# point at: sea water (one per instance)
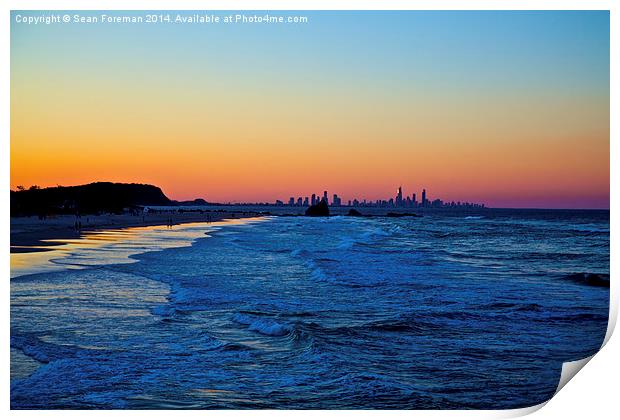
(443, 311)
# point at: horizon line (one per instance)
(344, 204)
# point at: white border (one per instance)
(309, 5)
(593, 394)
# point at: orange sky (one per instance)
(216, 129)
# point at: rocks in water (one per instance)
(600, 280)
(597, 280)
(318, 210)
(355, 213)
(402, 215)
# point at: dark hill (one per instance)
(196, 202)
(86, 199)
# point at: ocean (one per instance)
(444, 311)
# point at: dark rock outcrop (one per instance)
(318, 210)
(390, 214)
(599, 280)
(355, 213)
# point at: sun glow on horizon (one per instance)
(510, 109)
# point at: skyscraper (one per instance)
(325, 197)
(313, 201)
(423, 198)
(399, 197)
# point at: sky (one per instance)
(510, 109)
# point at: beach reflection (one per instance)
(113, 246)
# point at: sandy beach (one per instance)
(30, 234)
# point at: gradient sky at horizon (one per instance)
(506, 108)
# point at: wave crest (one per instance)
(262, 325)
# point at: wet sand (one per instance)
(29, 234)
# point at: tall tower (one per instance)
(325, 197)
(399, 197)
(423, 198)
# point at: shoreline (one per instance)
(30, 234)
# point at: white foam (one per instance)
(261, 325)
(114, 246)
